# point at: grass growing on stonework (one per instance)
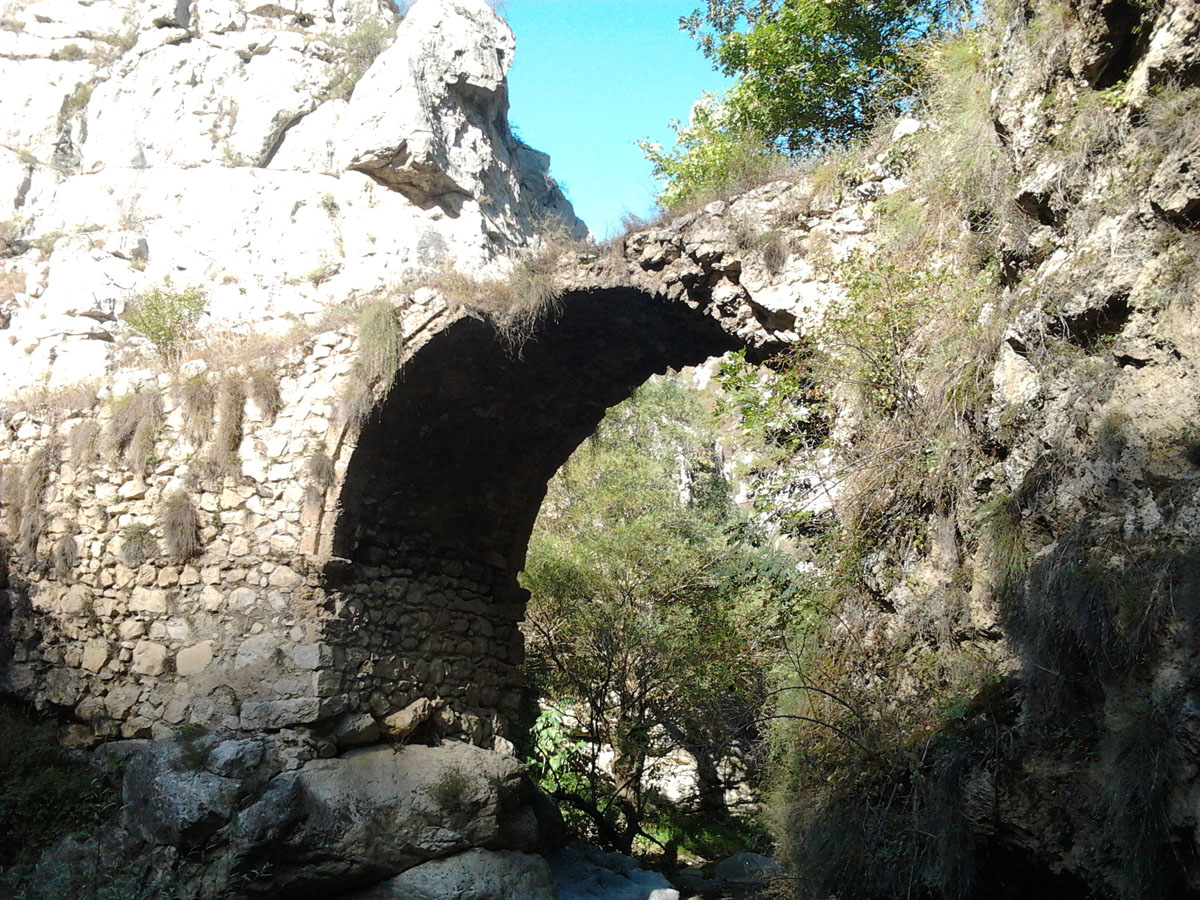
(46, 792)
(137, 544)
(227, 436)
(133, 428)
(380, 351)
(180, 526)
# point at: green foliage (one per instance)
(711, 157)
(166, 317)
(45, 791)
(654, 610)
(137, 544)
(814, 73)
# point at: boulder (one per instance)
(168, 800)
(473, 875)
(377, 812)
(582, 872)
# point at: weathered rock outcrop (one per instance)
(286, 157)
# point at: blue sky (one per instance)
(591, 77)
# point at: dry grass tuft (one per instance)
(24, 493)
(514, 304)
(198, 399)
(180, 526)
(263, 387)
(133, 428)
(380, 351)
(319, 470)
(230, 413)
(64, 557)
(82, 444)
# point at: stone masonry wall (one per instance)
(359, 579)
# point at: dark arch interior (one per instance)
(458, 456)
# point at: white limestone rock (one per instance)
(582, 872)
(207, 144)
(474, 875)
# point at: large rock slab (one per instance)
(582, 872)
(474, 875)
(168, 799)
(376, 812)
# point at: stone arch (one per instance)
(446, 479)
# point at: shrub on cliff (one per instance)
(166, 317)
(810, 75)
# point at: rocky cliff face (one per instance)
(286, 157)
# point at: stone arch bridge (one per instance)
(380, 595)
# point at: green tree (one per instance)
(811, 73)
(654, 614)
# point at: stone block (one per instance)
(76, 600)
(283, 577)
(131, 629)
(311, 656)
(148, 600)
(401, 725)
(149, 658)
(95, 655)
(356, 730)
(276, 714)
(121, 699)
(195, 659)
(256, 650)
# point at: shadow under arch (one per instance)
(442, 490)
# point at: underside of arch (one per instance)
(459, 454)
(443, 487)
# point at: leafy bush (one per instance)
(137, 544)
(654, 611)
(815, 73)
(711, 158)
(166, 317)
